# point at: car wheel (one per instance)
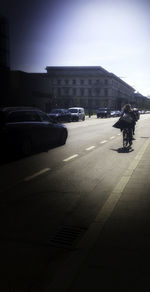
(26, 147)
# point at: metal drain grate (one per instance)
(66, 236)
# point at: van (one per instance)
(77, 113)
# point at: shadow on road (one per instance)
(123, 150)
(7, 157)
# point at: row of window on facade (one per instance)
(115, 85)
(79, 81)
(80, 91)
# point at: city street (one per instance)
(49, 201)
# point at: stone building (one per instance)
(140, 100)
(90, 87)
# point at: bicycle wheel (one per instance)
(125, 138)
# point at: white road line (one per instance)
(112, 137)
(71, 157)
(119, 134)
(76, 261)
(90, 148)
(102, 142)
(36, 174)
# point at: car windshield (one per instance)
(22, 116)
(56, 111)
(73, 110)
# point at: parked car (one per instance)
(115, 113)
(60, 115)
(77, 113)
(103, 113)
(24, 130)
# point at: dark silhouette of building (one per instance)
(4, 61)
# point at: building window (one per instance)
(59, 91)
(74, 81)
(81, 81)
(97, 91)
(66, 81)
(106, 81)
(89, 91)
(66, 91)
(82, 91)
(74, 91)
(58, 81)
(90, 81)
(106, 92)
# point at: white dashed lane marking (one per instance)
(102, 142)
(36, 174)
(112, 137)
(90, 148)
(71, 157)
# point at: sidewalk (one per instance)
(116, 256)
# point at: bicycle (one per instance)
(127, 137)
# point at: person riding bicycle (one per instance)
(136, 118)
(128, 121)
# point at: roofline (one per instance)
(125, 83)
(76, 67)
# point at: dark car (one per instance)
(24, 130)
(60, 115)
(103, 113)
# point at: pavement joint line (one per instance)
(72, 266)
(28, 178)
(90, 148)
(70, 157)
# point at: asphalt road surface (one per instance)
(49, 200)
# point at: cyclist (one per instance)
(136, 118)
(128, 118)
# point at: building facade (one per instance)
(140, 100)
(90, 87)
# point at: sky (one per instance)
(113, 34)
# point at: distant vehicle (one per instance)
(115, 113)
(25, 130)
(103, 113)
(142, 112)
(77, 113)
(60, 115)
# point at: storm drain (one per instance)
(67, 236)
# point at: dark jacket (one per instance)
(127, 120)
